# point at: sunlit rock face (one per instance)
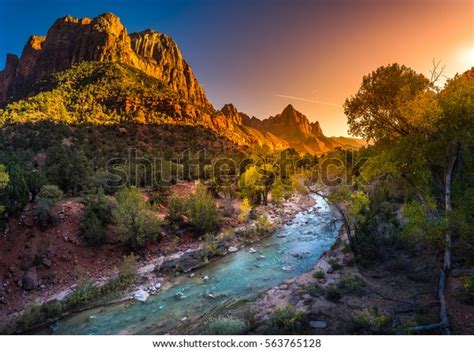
(72, 40)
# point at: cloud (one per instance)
(308, 100)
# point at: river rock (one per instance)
(30, 280)
(318, 324)
(252, 250)
(232, 249)
(141, 295)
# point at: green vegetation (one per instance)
(135, 221)
(351, 284)
(227, 326)
(202, 211)
(176, 211)
(287, 320)
(97, 215)
(319, 274)
(371, 321)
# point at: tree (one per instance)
(202, 211)
(376, 110)
(35, 180)
(16, 191)
(256, 182)
(176, 210)
(136, 223)
(4, 179)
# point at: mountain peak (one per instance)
(289, 109)
(73, 40)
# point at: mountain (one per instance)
(103, 39)
(294, 128)
(91, 71)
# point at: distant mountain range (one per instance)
(93, 71)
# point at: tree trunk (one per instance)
(444, 272)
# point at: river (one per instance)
(291, 251)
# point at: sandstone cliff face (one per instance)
(290, 125)
(71, 40)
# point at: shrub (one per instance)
(263, 226)
(287, 320)
(468, 287)
(245, 209)
(333, 293)
(136, 223)
(97, 215)
(315, 290)
(44, 214)
(370, 321)
(227, 326)
(16, 191)
(35, 180)
(202, 211)
(334, 264)
(93, 230)
(319, 274)
(351, 283)
(176, 211)
(51, 193)
(128, 270)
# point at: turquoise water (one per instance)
(291, 251)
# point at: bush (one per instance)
(333, 293)
(319, 274)
(334, 264)
(51, 193)
(128, 270)
(136, 223)
(245, 209)
(93, 230)
(351, 283)
(468, 288)
(176, 211)
(227, 326)
(44, 214)
(287, 320)
(16, 191)
(263, 226)
(202, 211)
(370, 321)
(97, 215)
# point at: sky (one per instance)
(262, 55)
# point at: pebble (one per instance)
(318, 324)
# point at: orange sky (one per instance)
(322, 54)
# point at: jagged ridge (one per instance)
(71, 40)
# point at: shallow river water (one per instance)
(291, 251)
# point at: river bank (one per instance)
(152, 275)
(217, 286)
(337, 296)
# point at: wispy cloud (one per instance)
(308, 100)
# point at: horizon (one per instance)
(291, 69)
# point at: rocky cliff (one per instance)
(71, 40)
(290, 128)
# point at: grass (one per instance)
(319, 274)
(287, 321)
(351, 284)
(334, 264)
(227, 326)
(371, 321)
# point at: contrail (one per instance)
(309, 100)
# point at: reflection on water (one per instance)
(293, 250)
